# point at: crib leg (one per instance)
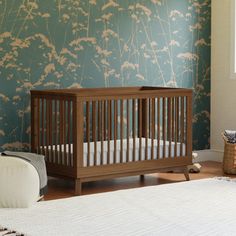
(142, 177)
(78, 187)
(186, 173)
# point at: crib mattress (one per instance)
(103, 158)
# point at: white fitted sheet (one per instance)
(104, 160)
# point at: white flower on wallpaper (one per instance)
(4, 98)
(110, 3)
(107, 17)
(201, 42)
(2, 133)
(175, 13)
(93, 2)
(174, 43)
(70, 43)
(188, 56)
(75, 85)
(78, 41)
(145, 9)
(140, 77)
(156, 2)
(16, 145)
(196, 26)
(127, 65)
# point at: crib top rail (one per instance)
(113, 92)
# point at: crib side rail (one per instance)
(137, 127)
(52, 131)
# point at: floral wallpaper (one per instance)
(97, 43)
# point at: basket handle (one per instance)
(224, 138)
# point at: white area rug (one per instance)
(201, 207)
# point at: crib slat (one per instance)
(146, 125)
(115, 130)
(94, 115)
(127, 117)
(105, 120)
(62, 123)
(169, 124)
(109, 130)
(43, 129)
(134, 128)
(140, 129)
(38, 126)
(34, 124)
(158, 128)
(153, 135)
(176, 124)
(105, 128)
(175, 131)
(182, 126)
(121, 129)
(88, 131)
(173, 120)
(78, 135)
(60, 132)
(72, 136)
(69, 133)
(50, 131)
(47, 129)
(64, 132)
(99, 120)
(102, 131)
(150, 117)
(178, 118)
(55, 132)
(164, 126)
(188, 114)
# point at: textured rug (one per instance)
(201, 207)
(8, 232)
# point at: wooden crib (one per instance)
(98, 133)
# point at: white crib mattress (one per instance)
(103, 159)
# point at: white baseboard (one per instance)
(209, 155)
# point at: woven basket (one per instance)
(229, 161)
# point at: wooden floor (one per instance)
(59, 188)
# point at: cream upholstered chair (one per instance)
(19, 183)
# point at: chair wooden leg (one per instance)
(186, 173)
(78, 187)
(41, 198)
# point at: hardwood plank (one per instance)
(59, 188)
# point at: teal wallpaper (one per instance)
(97, 43)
